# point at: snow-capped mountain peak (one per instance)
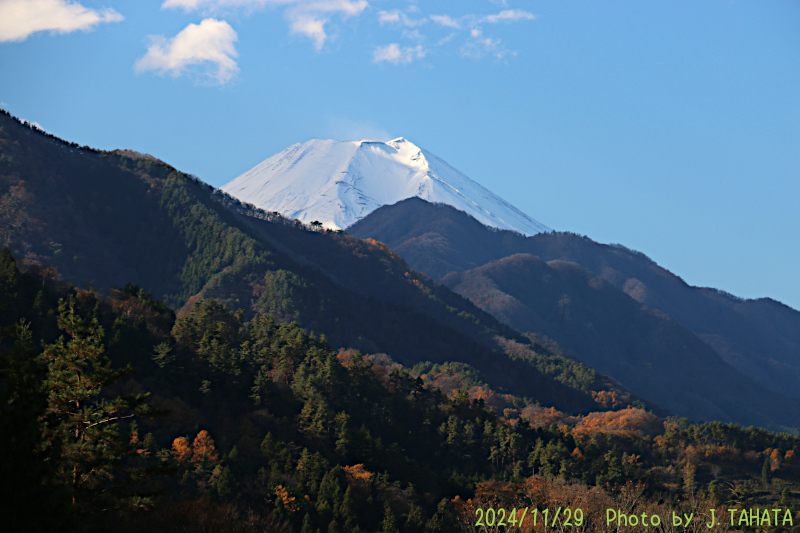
(340, 182)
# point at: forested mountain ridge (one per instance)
(108, 218)
(237, 421)
(285, 434)
(761, 339)
(611, 332)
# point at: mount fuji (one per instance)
(340, 182)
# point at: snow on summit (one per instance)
(340, 182)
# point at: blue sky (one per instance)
(670, 127)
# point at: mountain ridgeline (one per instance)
(264, 375)
(104, 219)
(612, 308)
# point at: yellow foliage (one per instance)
(288, 501)
(358, 473)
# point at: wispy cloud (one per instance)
(476, 44)
(206, 50)
(445, 20)
(398, 17)
(217, 5)
(309, 18)
(481, 46)
(21, 18)
(394, 53)
(313, 18)
(510, 15)
(305, 17)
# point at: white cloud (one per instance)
(204, 45)
(305, 17)
(481, 46)
(393, 53)
(310, 25)
(398, 17)
(445, 20)
(219, 5)
(510, 15)
(21, 18)
(310, 17)
(476, 45)
(389, 17)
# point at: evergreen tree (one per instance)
(415, 520)
(308, 526)
(389, 521)
(78, 420)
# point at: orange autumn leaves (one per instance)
(202, 449)
(630, 420)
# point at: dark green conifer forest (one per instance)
(171, 360)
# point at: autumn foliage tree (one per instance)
(203, 449)
(181, 450)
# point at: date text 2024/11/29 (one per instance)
(514, 518)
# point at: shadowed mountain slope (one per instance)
(108, 218)
(761, 338)
(646, 350)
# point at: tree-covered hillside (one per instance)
(237, 424)
(623, 307)
(104, 219)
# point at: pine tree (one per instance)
(415, 521)
(342, 433)
(389, 521)
(347, 510)
(308, 526)
(78, 419)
